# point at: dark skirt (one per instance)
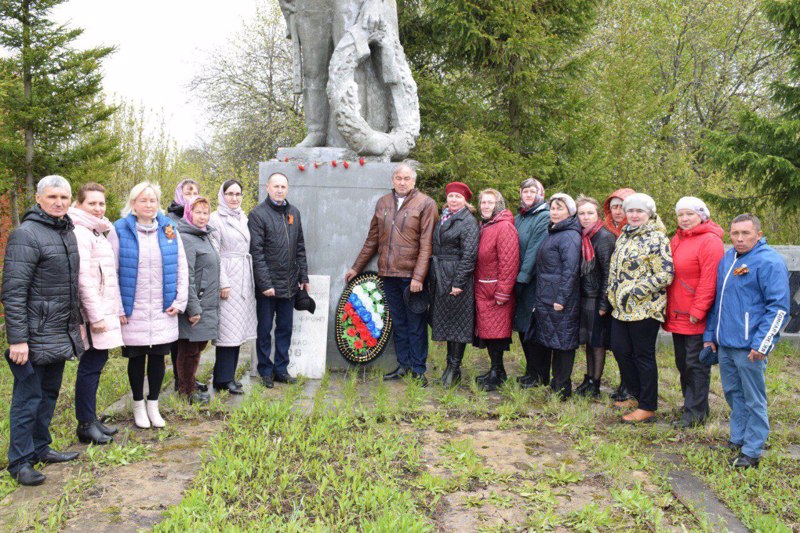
(595, 330)
(494, 344)
(138, 351)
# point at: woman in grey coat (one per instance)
(455, 248)
(200, 322)
(237, 306)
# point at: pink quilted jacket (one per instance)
(148, 324)
(97, 279)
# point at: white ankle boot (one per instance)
(140, 415)
(154, 415)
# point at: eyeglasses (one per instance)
(233, 194)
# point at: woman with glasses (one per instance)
(237, 309)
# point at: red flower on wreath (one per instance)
(351, 331)
(371, 342)
(359, 344)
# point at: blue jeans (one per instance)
(281, 312)
(746, 392)
(86, 383)
(410, 329)
(33, 402)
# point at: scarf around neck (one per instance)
(586, 246)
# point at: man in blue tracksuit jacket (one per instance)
(751, 307)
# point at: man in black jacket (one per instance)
(279, 269)
(43, 317)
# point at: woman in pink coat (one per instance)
(153, 281)
(100, 305)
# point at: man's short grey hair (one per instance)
(269, 179)
(405, 166)
(53, 182)
(748, 217)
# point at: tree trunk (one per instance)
(27, 85)
(14, 207)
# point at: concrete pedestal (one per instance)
(336, 205)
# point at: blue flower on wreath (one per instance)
(365, 315)
(375, 332)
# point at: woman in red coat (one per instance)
(495, 273)
(696, 250)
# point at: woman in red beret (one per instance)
(455, 247)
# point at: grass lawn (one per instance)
(360, 454)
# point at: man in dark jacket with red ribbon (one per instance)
(43, 317)
(279, 271)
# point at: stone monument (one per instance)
(349, 65)
(362, 113)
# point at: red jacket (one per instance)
(495, 273)
(695, 255)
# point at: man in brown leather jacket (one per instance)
(401, 233)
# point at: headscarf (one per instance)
(587, 249)
(187, 212)
(179, 198)
(222, 205)
(531, 183)
(695, 204)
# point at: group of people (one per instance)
(76, 285)
(563, 273)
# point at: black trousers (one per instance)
(560, 361)
(225, 364)
(33, 402)
(634, 347)
(695, 376)
(86, 383)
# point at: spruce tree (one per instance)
(498, 85)
(55, 105)
(764, 151)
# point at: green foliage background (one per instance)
(672, 98)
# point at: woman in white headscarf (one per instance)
(237, 311)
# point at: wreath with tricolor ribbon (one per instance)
(363, 324)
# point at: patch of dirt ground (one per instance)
(515, 489)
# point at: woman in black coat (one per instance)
(597, 246)
(556, 312)
(455, 248)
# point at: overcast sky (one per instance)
(160, 46)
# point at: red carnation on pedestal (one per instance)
(362, 161)
(334, 162)
(346, 164)
(301, 167)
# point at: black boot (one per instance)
(584, 387)
(497, 373)
(89, 433)
(594, 389)
(108, 430)
(455, 354)
(622, 394)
